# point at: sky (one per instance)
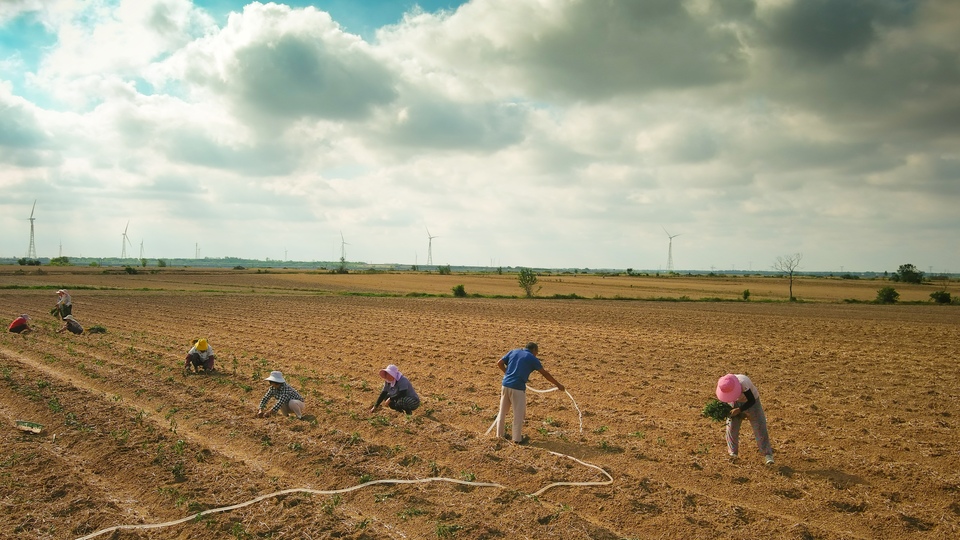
(711, 134)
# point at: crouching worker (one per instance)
(397, 391)
(288, 400)
(71, 324)
(20, 325)
(200, 356)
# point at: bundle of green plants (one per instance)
(55, 311)
(96, 330)
(716, 410)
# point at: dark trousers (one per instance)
(404, 404)
(198, 362)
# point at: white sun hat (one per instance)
(276, 376)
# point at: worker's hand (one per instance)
(735, 411)
(560, 387)
(373, 409)
(260, 413)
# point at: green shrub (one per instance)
(940, 297)
(459, 291)
(887, 295)
(527, 278)
(908, 273)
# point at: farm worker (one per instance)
(20, 326)
(740, 392)
(71, 324)
(397, 391)
(200, 355)
(64, 305)
(517, 365)
(288, 399)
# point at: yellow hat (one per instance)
(202, 345)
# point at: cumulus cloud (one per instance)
(105, 39)
(557, 133)
(542, 50)
(274, 65)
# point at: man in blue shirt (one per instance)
(517, 365)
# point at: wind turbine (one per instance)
(32, 250)
(343, 248)
(126, 240)
(670, 249)
(141, 248)
(430, 247)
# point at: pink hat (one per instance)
(394, 373)
(728, 388)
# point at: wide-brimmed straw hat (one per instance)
(276, 376)
(729, 388)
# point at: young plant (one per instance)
(716, 410)
(445, 530)
(331, 504)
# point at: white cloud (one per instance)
(562, 133)
(102, 39)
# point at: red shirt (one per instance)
(19, 321)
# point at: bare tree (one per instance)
(788, 265)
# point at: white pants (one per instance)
(294, 406)
(518, 399)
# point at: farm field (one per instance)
(860, 401)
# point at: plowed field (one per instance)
(860, 401)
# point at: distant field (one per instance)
(805, 289)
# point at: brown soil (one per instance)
(860, 401)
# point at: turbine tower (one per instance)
(343, 248)
(32, 250)
(141, 248)
(124, 242)
(430, 247)
(670, 250)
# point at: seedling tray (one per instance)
(32, 427)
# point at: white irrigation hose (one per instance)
(198, 515)
(579, 414)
